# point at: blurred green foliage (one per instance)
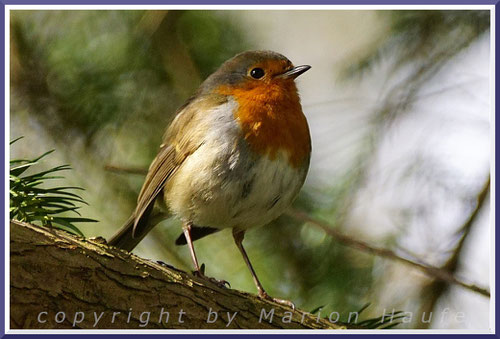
(98, 69)
(421, 36)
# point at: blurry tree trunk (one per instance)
(60, 281)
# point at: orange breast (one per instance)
(271, 118)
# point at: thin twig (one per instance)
(436, 288)
(126, 170)
(464, 230)
(432, 271)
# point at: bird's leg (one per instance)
(186, 229)
(200, 272)
(238, 236)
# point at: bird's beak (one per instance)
(294, 72)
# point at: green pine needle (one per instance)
(39, 205)
(385, 321)
(316, 309)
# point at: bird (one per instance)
(235, 156)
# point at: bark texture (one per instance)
(61, 281)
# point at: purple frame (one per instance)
(213, 2)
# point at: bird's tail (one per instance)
(125, 237)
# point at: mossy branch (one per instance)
(97, 286)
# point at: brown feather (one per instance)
(177, 146)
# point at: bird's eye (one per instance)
(257, 73)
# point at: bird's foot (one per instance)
(201, 274)
(265, 296)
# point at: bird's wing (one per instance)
(184, 136)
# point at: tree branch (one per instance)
(432, 271)
(86, 284)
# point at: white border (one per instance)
(8, 8)
(7, 167)
(492, 171)
(215, 331)
(247, 7)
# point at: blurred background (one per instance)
(399, 107)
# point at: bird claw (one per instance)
(201, 274)
(265, 296)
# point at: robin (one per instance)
(235, 156)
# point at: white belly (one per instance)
(243, 193)
(223, 185)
